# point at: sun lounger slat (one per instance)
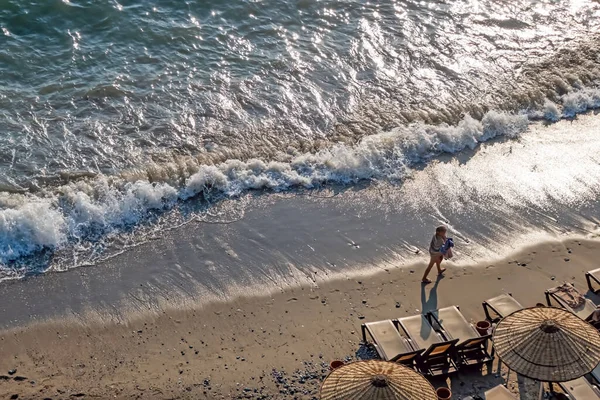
(436, 359)
(420, 331)
(455, 324)
(388, 341)
(471, 348)
(502, 306)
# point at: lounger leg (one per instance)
(486, 311)
(363, 328)
(548, 301)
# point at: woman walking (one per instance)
(437, 257)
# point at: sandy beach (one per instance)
(206, 200)
(271, 347)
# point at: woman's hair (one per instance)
(440, 229)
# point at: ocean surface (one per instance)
(120, 121)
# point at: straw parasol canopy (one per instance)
(547, 344)
(376, 380)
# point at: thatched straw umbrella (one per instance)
(376, 380)
(547, 344)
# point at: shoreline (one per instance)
(93, 316)
(256, 342)
(269, 241)
(124, 312)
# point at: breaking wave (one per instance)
(88, 209)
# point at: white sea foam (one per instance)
(551, 111)
(35, 225)
(386, 155)
(580, 101)
(85, 210)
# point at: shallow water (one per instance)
(118, 120)
(497, 199)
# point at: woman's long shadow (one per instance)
(429, 304)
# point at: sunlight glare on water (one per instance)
(111, 114)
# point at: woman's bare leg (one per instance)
(431, 262)
(438, 263)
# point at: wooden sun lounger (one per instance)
(499, 393)
(390, 345)
(471, 348)
(502, 306)
(580, 389)
(584, 311)
(437, 356)
(593, 275)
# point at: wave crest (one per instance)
(88, 209)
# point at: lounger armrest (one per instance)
(363, 329)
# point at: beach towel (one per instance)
(569, 295)
(447, 246)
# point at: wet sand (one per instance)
(495, 198)
(273, 346)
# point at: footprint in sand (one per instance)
(353, 244)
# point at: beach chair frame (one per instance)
(407, 358)
(471, 351)
(474, 351)
(570, 394)
(438, 359)
(400, 324)
(487, 307)
(593, 275)
(561, 304)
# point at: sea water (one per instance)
(119, 120)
